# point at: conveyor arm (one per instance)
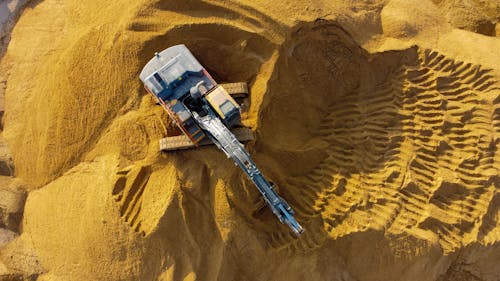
(227, 142)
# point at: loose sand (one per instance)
(379, 121)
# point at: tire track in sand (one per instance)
(412, 152)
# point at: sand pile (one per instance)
(378, 121)
(472, 15)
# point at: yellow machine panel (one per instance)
(225, 106)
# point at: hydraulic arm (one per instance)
(227, 142)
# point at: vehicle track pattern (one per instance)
(127, 192)
(409, 152)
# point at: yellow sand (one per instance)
(379, 121)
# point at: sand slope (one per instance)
(379, 126)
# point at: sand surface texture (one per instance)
(378, 121)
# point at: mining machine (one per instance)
(206, 112)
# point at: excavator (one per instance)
(205, 113)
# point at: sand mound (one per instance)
(477, 16)
(382, 137)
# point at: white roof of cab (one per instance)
(182, 53)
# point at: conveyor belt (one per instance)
(227, 142)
